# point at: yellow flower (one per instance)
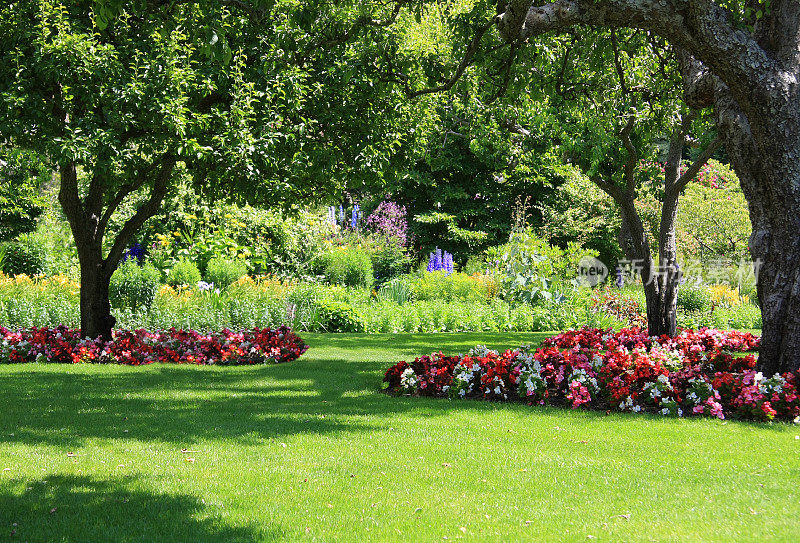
(724, 295)
(166, 290)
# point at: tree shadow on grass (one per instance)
(81, 508)
(419, 344)
(327, 391)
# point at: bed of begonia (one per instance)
(63, 345)
(705, 372)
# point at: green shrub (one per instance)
(133, 286)
(339, 317)
(456, 286)
(183, 273)
(348, 266)
(694, 298)
(224, 272)
(25, 257)
(389, 261)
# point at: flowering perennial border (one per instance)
(62, 345)
(705, 372)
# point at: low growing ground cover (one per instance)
(312, 450)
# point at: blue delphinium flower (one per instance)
(341, 214)
(447, 264)
(135, 252)
(355, 216)
(440, 260)
(620, 281)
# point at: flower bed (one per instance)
(62, 345)
(704, 372)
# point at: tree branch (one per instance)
(150, 208)
(675, 152)
(694, 169)
(466, 62)
(71, 203)
(633, 155)
(701, 27)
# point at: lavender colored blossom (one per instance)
(389, 221)
(202, 286)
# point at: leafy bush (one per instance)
(694, 298)
(50, 301)
(713, 220)
(223, 272)
(455, 286)
(348, 266)
(183, 273)
(389, 261)
(133, 286)
(24, 257)
(336, 316)
(580, 212)
(530, 266)
(21, 175)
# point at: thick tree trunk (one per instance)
(88, 222)
(765, 153)
(96, 318)
(767, 160)
(660, 289)
(660, 286)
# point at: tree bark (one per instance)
(766, 158)
(96, 318)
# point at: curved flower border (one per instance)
(705, 372)
(62, 345)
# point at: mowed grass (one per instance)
(312, 450)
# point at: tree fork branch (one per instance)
(148, 210)
(694, 169)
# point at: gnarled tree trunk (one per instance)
(767, 160)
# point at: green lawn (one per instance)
(311, 450)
